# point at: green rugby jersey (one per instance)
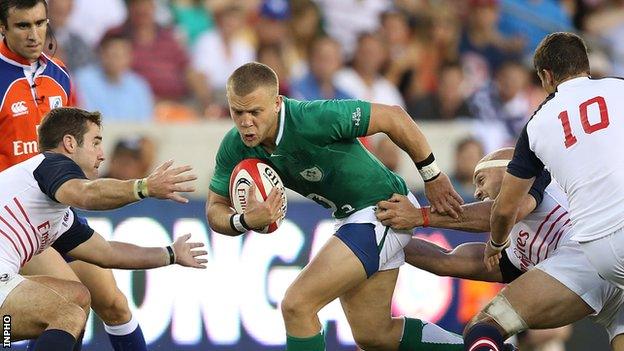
(318, 156)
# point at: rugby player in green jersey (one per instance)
(314, 147)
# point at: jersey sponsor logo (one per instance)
(5, 278)
(55, 102)
(520, 250)
(19, 108)
(21, 147)
(44, 232)
(355, 116)
(313, 174)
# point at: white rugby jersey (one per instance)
(547, 227)
(31, 219)
(578, 135)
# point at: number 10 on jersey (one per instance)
(589, 128)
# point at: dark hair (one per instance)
(250, 76)
(65, 121)
(7, 5)
(112, 35)
(562, 53)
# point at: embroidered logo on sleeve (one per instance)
(355, 116)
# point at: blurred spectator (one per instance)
(447, 102)
(345, 20)
(271, 55)
(305, 25)
(91, 19)
(483, 47)
(325, 61)
(160, 58)
(192, 17)
(607, 23)
(130, 159)
(434, 40)
(502, 107)
(533, 20)
(111, 87)
(468, 152)
(403, 52)
(72, 49)
(600, 64)
(272, 27)
(219, 52)
(364, 80)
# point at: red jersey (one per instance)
(29, 91)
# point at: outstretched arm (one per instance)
(399, 213)
(114, 254)
(105, 194)
(399, 126)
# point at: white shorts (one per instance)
(606, 254)
(378, 247)
(8, 282)
(570, 266)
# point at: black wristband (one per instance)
(242, 220)
(172, 257)
(426, 162)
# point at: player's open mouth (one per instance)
(249, 136)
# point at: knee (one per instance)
(295, 306)
(113, 309)
(80, 296)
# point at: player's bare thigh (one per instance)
(34, 307)
(541, 301)
(49, 263)
(368, 310)
(465, 261)
(332, 272)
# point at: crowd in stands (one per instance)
(442, 60)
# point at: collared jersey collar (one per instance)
(14, 58)
(282, 118)
(571, 83)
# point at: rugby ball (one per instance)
(253, 170)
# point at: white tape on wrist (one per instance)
(135, 189)
(236, 220)
(429, 171)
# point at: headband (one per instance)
(491, 164)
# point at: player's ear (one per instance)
(69, 143)
(278, 103)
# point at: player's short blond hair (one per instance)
(251, 76)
